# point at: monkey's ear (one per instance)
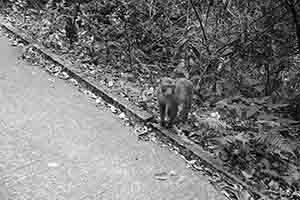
(164, 81)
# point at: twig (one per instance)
(207, 13)
(296, 22)
(201, 25)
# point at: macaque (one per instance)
(167, 102)
(174, 96)
(184, 96)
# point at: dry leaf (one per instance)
(53, 164)
(191, 162)
(122, 116)
(93, 96)
(113, 109)
(63, 75)
(52, 80)
(127, 123)
(180, 180)
(172, 173)
(185, 139)
(244, 195)
(161, 176)
(99, 100)
(110, 83)
(74, 81)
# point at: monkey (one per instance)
(174, 95)
(166, 100)
(184, 92)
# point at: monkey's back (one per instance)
(183, 90)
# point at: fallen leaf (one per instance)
(51, 80)
(86, 92)
(122, 116)
(161, 176)
(128, 76)
(93, 96)
(53, 164)
(14, 43)
(198, 167)
(110, 83)
(191, 162)
(74, 81)
(127, 123)
(113, 109)
(141, 130)
(99, 100)
(274, 185)
(101, 82)
(56, 69)
(225, 193)
(90, 67)
(246, 175)
(244, 195)
(296, 193)
(215, 115)
(172, 173)
(63, 75)
(180, 180)
(20, 44)
(185, 139)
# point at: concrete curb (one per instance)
(133, 110)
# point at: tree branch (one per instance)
(296, 22)
(201, 25)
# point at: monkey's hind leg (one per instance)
(186, 107)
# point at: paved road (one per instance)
(56, 145)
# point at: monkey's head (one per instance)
(167, 86)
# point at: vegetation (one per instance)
(243, 56)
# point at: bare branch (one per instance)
(201, 25)
(291, 7)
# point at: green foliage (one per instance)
(234, 46)
(275, 142)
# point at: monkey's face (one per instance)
(168, 90)
(167, 86)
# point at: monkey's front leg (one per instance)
(162, 110)
(172, 115)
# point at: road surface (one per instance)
(56, 145)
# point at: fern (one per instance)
(212, 122)
(276, 142)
